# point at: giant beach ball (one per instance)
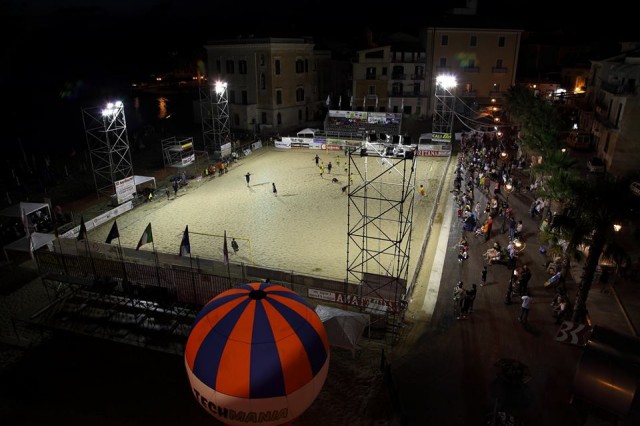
(257, 354)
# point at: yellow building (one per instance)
(272, 82)
(484, 62)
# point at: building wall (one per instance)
(484, 71)
(285, 66)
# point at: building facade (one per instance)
(273, 83)
(612, 109)
(391, 78)
(484, 62)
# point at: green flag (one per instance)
(147, 237)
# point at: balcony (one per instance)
(417, 76)
(471, 69)
(409, 60)
(408, 94)
(617, 89)
(371, 77)
(444, 69)
(398, 76)
(499, 70)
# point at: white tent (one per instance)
(139, 180)
(344, 328)
(26, 208)
(29, 244)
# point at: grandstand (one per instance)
(357, 125)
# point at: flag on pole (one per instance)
(113, 233)
(82, 234)
(185, 246)
(389, 107)
(340, 102)
(364, 102)
(351, 102)
(147, 237)
(328, 100)
(401, 104)
(225, 249)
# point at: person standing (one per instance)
(247, 178)
(470, 297)
(175, 188)
(458, 295)
(329, 167)
(275, 190)
(317, 158)
(422, 192)
(484, 276)
(234, 245)
(524, 308)
(523, 283)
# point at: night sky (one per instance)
(60, 54)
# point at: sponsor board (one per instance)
(351, 299)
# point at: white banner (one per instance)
(125, 189)
(284, 143)
(99, 220)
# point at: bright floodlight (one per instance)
(112, 108)
(220, 87)
(446, 81)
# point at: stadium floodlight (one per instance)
(112, 109)
(220, 87)
(446, 81)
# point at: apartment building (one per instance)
(612, 109)
(483, 60)
(391, 77)
(273, 83)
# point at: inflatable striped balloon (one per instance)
(257, 354)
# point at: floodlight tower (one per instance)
(214, 109)
(444, 109)
(106, 132)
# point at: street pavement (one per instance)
(444, 373)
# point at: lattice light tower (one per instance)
(444, 108)
(380, 223)
(214, 109)
(106, 132)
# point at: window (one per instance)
(232, 96)
(499, 63)
(416, 88)
(299, 94)
(372, 90)
(236, 119)
(443, 63)
(277, 66)
(299, 115)
(264, 117)
(230, 67)
(397, 72)
(279, 97)
(261, 60)
(218, 66)
(242, 67)
(279, 118)
(468, 88)
(263, 81)
(444, 40)
(473, 42)
(384, 70)
(407, 110)
(244, 97)
(501, 41)
(371, 73)
(419, 71)
(471, 63)
(299, 66)
(396, 89)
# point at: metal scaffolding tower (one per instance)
(380, 223)
(106, 132)
(214, 109)
(444, 111)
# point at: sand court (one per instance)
(303, 228)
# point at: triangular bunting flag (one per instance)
(113, 233)
(83, 230)
(225, 249)
(185, 246)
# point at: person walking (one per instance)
(175, 188)
(329, 167)
(275, 190)
(484, 276)
(422, 192)
(470, 297)
(523, 282)
(317, 158)
(234, 245)
(247, 178)
(524, 308)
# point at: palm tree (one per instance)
(599, 203)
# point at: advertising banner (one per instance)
(125, 189)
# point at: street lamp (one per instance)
(617, 227)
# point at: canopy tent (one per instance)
(29, 244)
(26, 208)
(139, 180)
(344, 328)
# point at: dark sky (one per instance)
(81, 47)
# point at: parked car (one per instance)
(595, 165)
